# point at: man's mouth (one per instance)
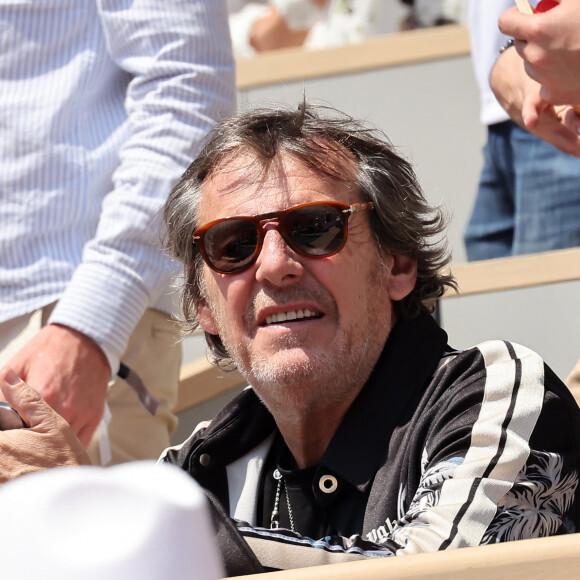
(292, 315)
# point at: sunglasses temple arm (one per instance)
(359, 207)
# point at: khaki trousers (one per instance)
(128, 432)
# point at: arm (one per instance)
(520, 96)
(48, 442)
(271, 32)
(508, 475)
(178, 56)
(280, 24)
(549, 44)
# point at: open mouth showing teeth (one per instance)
(291, 315)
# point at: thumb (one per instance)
(33, 409)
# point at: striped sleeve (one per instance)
(178, 56)
(460, 498)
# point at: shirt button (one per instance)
(328, 484)
(204, 459)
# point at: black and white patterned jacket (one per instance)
(446, 449)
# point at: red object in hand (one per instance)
(545, 5)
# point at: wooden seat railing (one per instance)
(538, 559)
(292, 64)
(517, 272)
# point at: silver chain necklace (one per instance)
(275, 517)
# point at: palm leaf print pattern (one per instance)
(425, 498)
(537, 504)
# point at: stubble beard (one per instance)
(308, 385)
(299, 381)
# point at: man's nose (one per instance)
(277, 263)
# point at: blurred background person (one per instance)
(269, 25)
(548, 84)
(529, 192)
(425, 13)
(103, 105)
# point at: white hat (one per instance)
(133, 521)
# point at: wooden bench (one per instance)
(538, 559)
(517, 272)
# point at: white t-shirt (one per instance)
(486, 40)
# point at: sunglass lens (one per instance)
(317, 230)
(231, 245)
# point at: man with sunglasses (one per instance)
(312, 261)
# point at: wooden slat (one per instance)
(517, 272)
(201, 381)
(538, 559)
(296, 64)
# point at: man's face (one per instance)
(337, 310)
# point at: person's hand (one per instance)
(559, 125)
(47, 442)
(71, 373)
(549, 44)
(520, 96)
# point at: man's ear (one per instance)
(205, 318)
(403, 276)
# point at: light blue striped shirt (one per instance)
(103, 104)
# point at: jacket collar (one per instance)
(409, 359)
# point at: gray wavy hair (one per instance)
(402, 221)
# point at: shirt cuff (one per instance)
(104, 306)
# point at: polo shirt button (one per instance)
(205, 459)
(328, 484)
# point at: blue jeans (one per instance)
(528, 199)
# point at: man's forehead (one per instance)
(241, 170)
(243, 181)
